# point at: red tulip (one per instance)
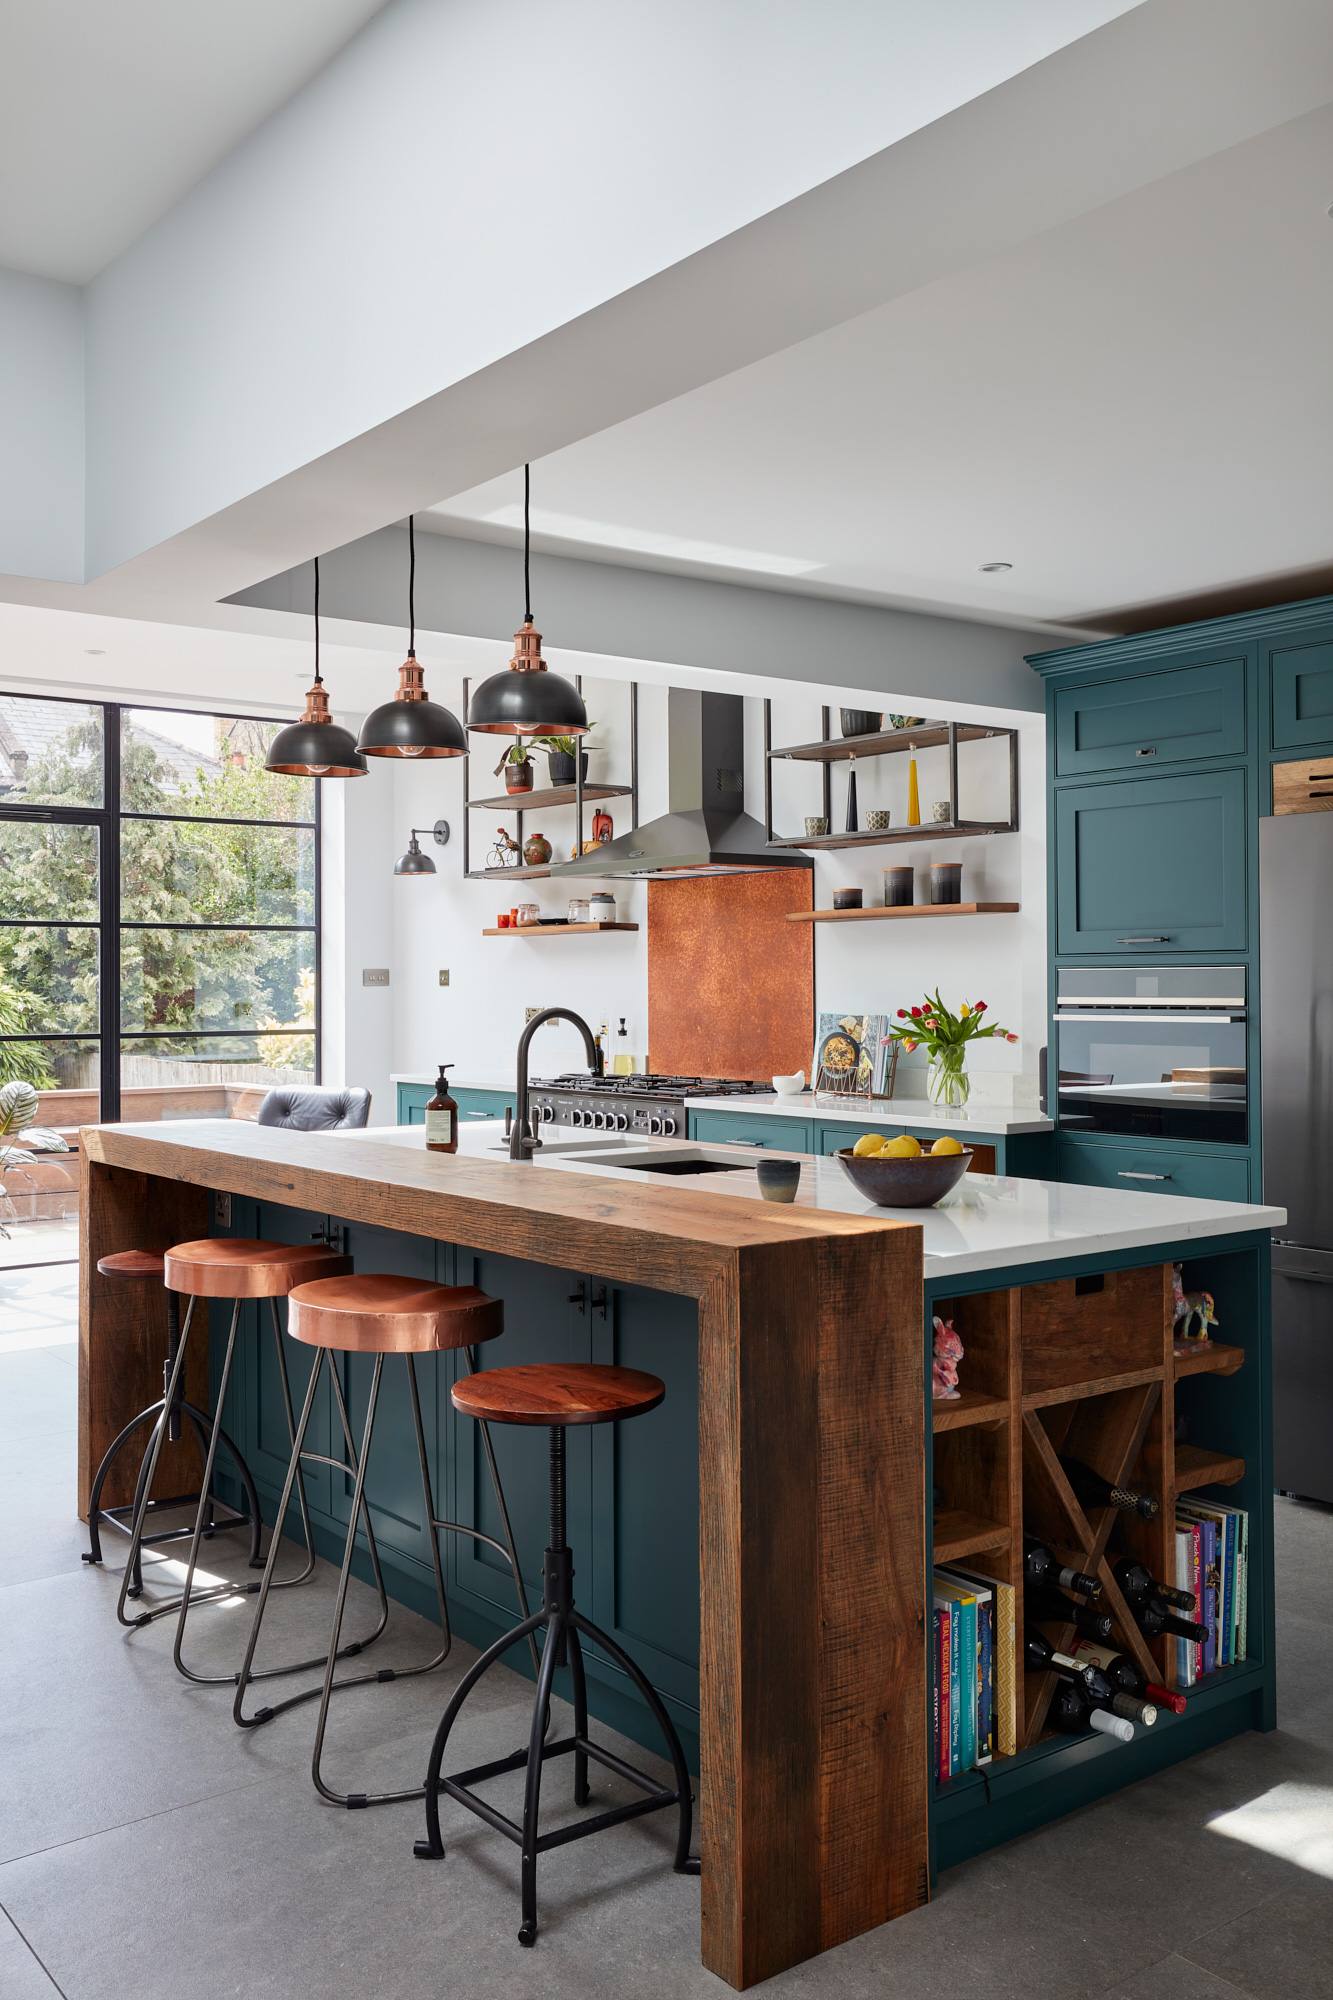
(916, 1013)
(902, 1013)
(980, 1007)
(909, 1046)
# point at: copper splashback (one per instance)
(731, 984)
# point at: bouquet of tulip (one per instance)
(944, 1037)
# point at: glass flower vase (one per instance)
(947, 1081)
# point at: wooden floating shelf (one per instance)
(959, 829)
(970, 1407)
(555, 930)
(549, 795)
(901, 910)
(1214, 1360)
(523, 874)
(885, 742)
(959, 1534)
(1196, 1467)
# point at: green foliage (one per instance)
(20, 1062)
(932, 1027)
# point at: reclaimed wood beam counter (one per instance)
(812, 1527)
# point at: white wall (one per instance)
(358, 852)
(41, 428)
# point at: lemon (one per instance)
(869, 1142)
(947, 1146)
(905, 1147)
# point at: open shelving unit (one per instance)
(554, 930)
(546, 799)
(1085, 1366)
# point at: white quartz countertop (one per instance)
(469, 1082)
(989, 1222)
(916, 1113)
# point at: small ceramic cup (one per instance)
(815, 829)
(877, 822)
(846, 899)
(779, 1179)
(941, 812)
(899, 887)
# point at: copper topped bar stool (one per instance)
(126, 1266)
(235, 1268)
(557, 1395)
(379, 1315)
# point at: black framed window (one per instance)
(159, 911)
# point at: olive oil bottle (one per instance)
(442, 1117)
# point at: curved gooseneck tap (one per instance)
(522, 1142)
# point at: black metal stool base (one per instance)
(565, 1628)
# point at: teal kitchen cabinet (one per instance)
(1152, 1168)
(1301, 682)
(414, 1097)
(1150, 720)
(1152, 864)
(733, 1128)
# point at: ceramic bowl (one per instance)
(790, 1086)
(910, 1183)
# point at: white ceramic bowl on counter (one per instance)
(790, 1086)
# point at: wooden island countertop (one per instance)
(812, 1531)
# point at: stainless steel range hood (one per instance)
(706, 830)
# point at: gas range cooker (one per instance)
(652, 1104)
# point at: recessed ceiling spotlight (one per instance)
(990, 569)
(95, 652)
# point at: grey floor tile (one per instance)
(1281, 1951)
(21, 1975)
(40, 1396)
(40, 1531)
(1175, 1978)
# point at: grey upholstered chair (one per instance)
(309, 1110)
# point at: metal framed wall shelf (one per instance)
(577, 795)
(830, 750)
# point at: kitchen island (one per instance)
(765, 1549)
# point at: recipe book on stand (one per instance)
(974, 1701)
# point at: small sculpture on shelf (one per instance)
(944, 1369)
(536, 850)
(506, 852)
(1192, 1313)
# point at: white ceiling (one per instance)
(1130, 408)
(111, 110)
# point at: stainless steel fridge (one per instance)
(1296, 1032)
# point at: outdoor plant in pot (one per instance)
(18, 1109)
(560, 757)
(945, 1037)
(517, 767)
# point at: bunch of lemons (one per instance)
(874, 1146)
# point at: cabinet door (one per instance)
(1152, 864)
(725, 1128)
(474, 1104)
(412, 1101)
(836, 1138)
(1157, 1170)
(1151, 719)
(1302, 691)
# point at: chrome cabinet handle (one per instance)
(1150, 752)
(740, 1142)
(1128, 1174)
(1144, 940)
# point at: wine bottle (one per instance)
(1153, 1618)
(1136, 1581)
(1058, 1610)
(1091, 1490)
(1101, 1691)
(1072, 1713)
(1041, 1566)
(1123, 1673)
(1040, 1656)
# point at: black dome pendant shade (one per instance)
(526, 700)
(316, 746)
(412, 725)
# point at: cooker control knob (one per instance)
(622, 1121)
(576, 1117)
(654, 1124)
(668, 1126)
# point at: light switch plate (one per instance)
(444, 978)
(222, 1211)
(374, 975)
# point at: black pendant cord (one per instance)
(411, 586)
(527, 546)
(318, 680)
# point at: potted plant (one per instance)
(517, 767)
(560, 757)
(945, 1037)
(18, 1110)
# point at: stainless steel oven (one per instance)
(1158, 1053)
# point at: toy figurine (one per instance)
(1192, 1312)
(948, 1354)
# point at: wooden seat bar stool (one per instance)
(235, 1268)
(149, 1265)
(557, 1395)
(381, 1315)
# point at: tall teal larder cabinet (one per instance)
(1164, 751)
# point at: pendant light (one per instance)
(316, 746)
(412, 725)
(525, 700)
(414, 862)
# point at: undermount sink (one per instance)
(676, 1160)
(549, 1147)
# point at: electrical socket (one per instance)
(221, 1210)
(374, 975)
(529, 1013)
(444, 977)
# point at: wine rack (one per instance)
(1084, 1368)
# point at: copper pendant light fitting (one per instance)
(316, 746)
(527, 700)
(412, 725)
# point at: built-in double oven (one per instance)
(1153, 1052)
